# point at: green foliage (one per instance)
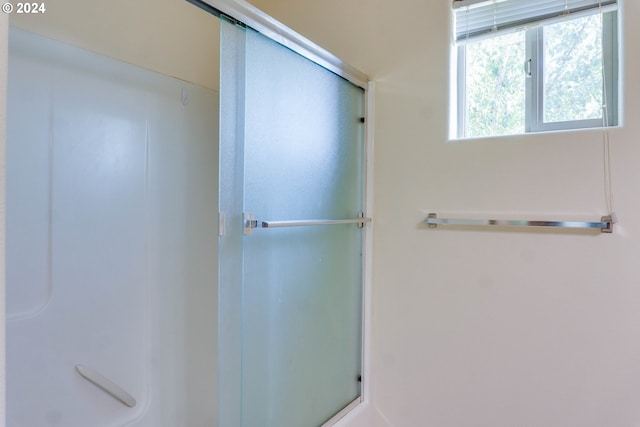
(573, 70)
(495, 102)
(572, 77)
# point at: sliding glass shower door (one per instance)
(291, 236)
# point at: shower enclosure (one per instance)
(159, 278)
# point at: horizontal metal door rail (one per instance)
(250, 224)
(605, 224)
(106, 385)
(311, 222)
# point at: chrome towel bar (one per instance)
(605, 225)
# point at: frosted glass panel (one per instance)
(303, 146)
(232, 39)
(298, 130)
(304, 136)
(302, 326)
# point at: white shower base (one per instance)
(111, 241)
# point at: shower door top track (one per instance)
(249, 15)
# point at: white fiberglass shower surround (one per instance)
(158, 277)
(111, 249)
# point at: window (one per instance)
(526, 66)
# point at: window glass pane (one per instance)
(573, 70)
(495, 86)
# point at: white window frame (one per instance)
(534, 98)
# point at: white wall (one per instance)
(477, 328)
(172, 37)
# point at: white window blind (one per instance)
(475, 18)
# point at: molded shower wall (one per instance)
(111, 240)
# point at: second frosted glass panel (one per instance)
(302, 286)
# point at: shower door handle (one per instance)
(106, 385)
(250, 223)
